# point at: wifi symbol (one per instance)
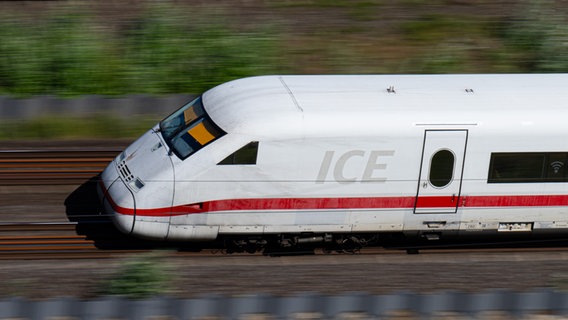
(556, 165)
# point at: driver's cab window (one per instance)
(189, 129)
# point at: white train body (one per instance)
(416, 154)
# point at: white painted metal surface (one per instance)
(340, 154)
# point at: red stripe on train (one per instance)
(350, 203)
(516, 201)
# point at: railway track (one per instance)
(28, 241)
(52, 167)
(35, 241)
(95, 238)
(71, 240)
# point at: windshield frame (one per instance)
(176, 129)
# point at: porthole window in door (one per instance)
(442, 168)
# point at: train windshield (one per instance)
(189, 129)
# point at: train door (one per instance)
(441, 170)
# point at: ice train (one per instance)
(342, 160)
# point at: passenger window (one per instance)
(245, 155)
(442, 168)
(528, 167)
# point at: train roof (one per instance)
(345, 105)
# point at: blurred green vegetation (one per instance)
(139, 278)
(108, 48)
(160, 52)
(168, 48)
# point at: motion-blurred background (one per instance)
(66, 67)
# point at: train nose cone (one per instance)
(118, 201)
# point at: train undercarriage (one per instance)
(299, 243)
(347, 243)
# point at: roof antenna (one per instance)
(390, 89)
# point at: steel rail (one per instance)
(52, 167)
(28, 241)
(46, 226)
